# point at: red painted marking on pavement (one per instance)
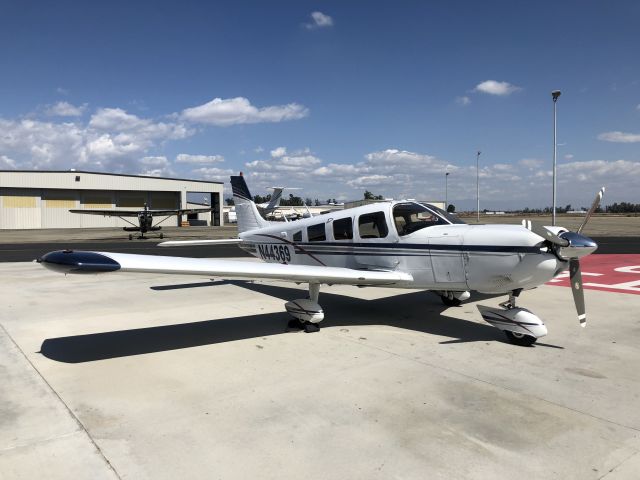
(610, 273)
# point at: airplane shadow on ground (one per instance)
(418, 311)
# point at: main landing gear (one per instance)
(519, 325)
(306, 312)
(453, 299)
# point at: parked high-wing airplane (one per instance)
(401, 244)
(274, 201)
(145, 217)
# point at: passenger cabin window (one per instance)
(315, 233)
(411, 217)
(297, 237)
(373, 225)
(343, 229)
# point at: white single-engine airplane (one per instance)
(145, 217)
(401, 244)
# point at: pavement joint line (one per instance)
(75, 418)
(612, 470)
(471, 377)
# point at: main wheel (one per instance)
(161, 235)
(130, 236)
(520, 338)
(450, 302)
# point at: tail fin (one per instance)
(248, 216)
(275, 199)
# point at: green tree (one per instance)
(370, 196)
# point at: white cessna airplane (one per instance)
(401, 244)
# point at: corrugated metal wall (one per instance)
(55, 205)
(20, 208)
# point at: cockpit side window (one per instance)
(316, 233)
(373, 225)
(297, 237)
(343, 229)
(411, 217)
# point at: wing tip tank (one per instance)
(69, 261)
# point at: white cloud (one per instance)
(158, 166)
(7, 163)
(568, 156)
(493, 87)
(213, 174)
(159, 161)
(258, 149)
(235, 111)
(199, 159)
(463, 101)
(619, 137)
(319, 20)
(278, 152)
(112, 140)
(531, 163)
(65, 109)
(406, 174)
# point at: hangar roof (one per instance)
(110, 174)
(83, 180)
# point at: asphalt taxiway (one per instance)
(156, 376)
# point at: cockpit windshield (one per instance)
(448, 216)
(410, 217)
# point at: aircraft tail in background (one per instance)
(248, 216)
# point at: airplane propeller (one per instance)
(571, 246)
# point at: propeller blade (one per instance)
(545, 233)
(575, 277)
(593, 208)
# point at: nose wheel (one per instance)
(520, 338)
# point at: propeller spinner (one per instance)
(571, 246)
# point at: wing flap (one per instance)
(68, 261)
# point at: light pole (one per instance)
(555, 94)
(446, 187)
(478, 182)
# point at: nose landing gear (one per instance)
(521, 326)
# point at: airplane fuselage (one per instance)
(439, 256)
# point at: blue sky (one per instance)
(335, 97)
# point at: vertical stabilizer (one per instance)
(246, 211)
(275, 199)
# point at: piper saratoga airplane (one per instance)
(145, 217)
(401, 244)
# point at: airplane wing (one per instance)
(181, 211)
(189, 243)
(108, 213)
(68, 261)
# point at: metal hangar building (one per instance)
(42, 199)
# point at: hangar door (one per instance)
(20, 208)
(55, 208)
(97, 200)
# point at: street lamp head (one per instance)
(446, 174)
(555, 94)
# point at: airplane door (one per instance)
(373, 228)
(447, 261)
